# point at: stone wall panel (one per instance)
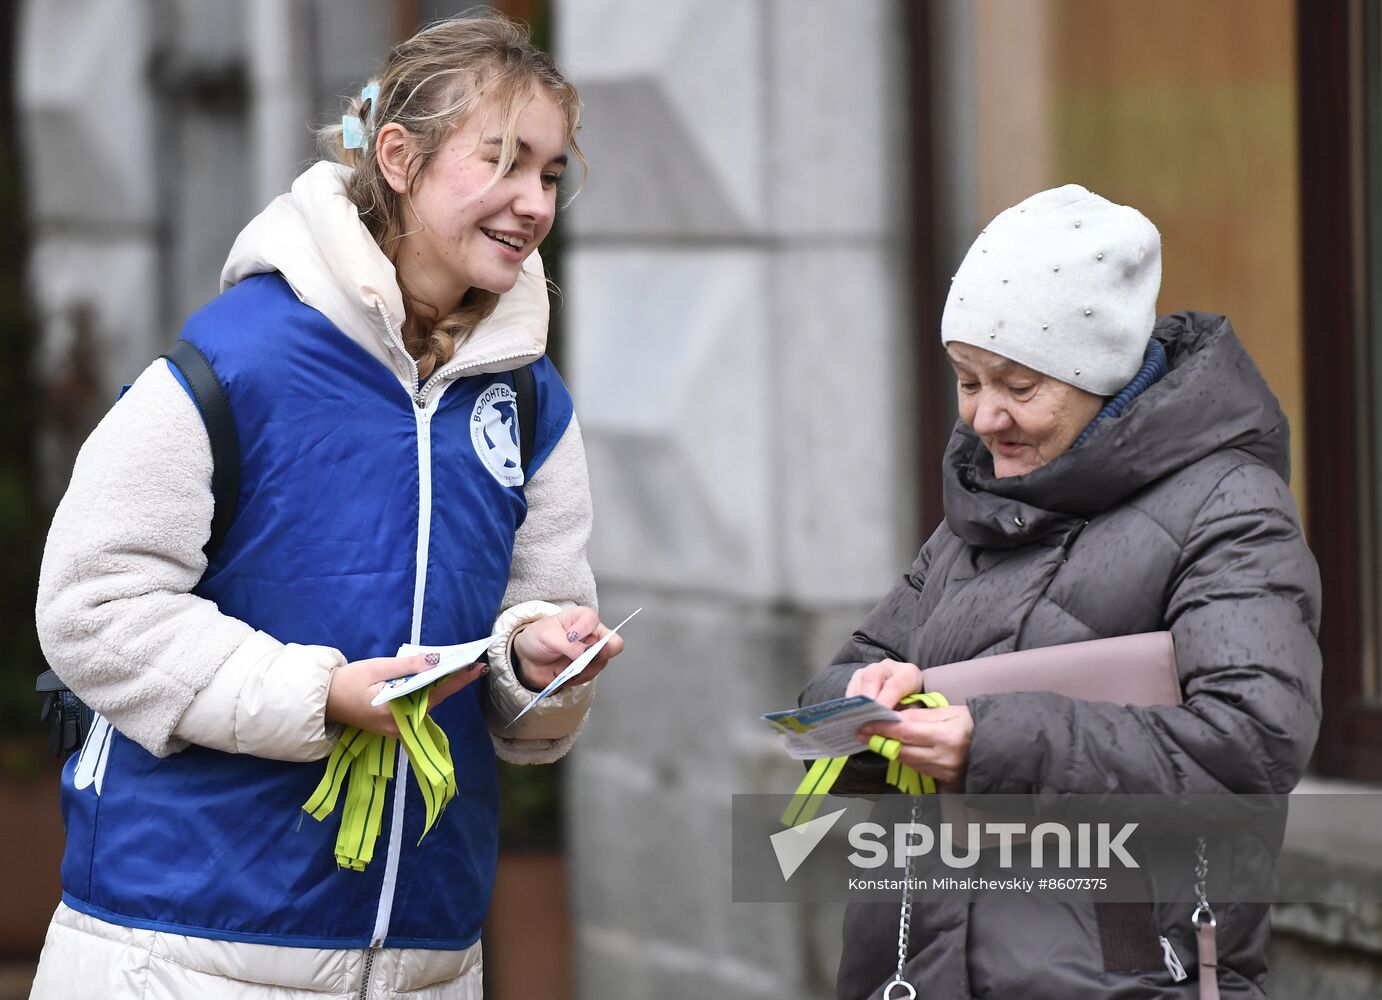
(736, 352)
(669, 374)
(845, 427)
(88, 121)
(838, 120)
(709, 111)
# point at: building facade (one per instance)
(752, 281)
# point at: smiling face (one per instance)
(468, 228)
(1024, 418)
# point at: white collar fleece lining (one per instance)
(313, 236)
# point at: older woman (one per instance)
(1112, 473)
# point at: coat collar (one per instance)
(1212, 398)
(313, 236)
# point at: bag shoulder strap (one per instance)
(525, 389)
(214, 405)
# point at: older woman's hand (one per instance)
(935, 741)
(886, 682)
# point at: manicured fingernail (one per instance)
(573, 636)
(432, 659)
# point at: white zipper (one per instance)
(1168, 953)
(450, 370)
(420, 390)
(397, 342)
(422, 416)
(423, 408)
(423, 419)
(1172, 960)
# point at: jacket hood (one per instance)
(1212, 398)
(313, 236)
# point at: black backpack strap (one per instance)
(69, 720)
(211, 399)
(525, 388)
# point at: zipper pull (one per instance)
(1172, 960)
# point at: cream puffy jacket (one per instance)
(120, 626)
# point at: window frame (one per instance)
(932, 416)
(1336, 302)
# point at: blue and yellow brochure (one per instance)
(827, 729)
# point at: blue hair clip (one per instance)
(352, 132)
(371, 94)
(352, 129)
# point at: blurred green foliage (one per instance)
(530, 806)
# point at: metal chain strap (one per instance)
(1201, 893)
(904, 926)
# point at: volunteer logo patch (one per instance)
(494, 432)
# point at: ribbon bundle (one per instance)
(806, 800)
(368, 759)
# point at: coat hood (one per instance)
(1212, 398)
(313, 236)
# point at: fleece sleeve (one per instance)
(1243, 609)
(549, 573)
(116, 617)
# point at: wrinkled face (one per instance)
(1025, 419)
(465, 236)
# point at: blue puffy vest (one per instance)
(346, 485)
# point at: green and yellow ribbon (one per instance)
(368, 759)
(807, 799)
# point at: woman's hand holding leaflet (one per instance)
(354, 686)
(886, 682)
(935, 741)
(542, 649)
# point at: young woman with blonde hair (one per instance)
(369, 326)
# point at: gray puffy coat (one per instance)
(1176, 516)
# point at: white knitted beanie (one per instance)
(1064, 283)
